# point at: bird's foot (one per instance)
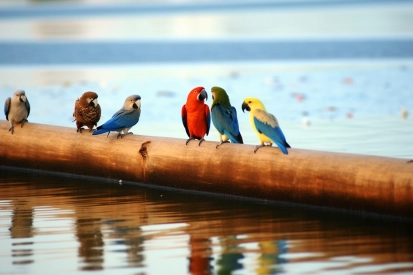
(222, 142)
(11, 129)
(122, 135)
(79, 129)
(200, 141)
(23, 122)
(189, 139)
(258, 147)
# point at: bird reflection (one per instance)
(22, 228)
(228, 262)
(89, 235)
(130, 236)
(270, 261)
(199, 261)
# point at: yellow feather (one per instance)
(258, 110)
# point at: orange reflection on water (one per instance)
(153, 230)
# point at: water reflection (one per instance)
(200, 255)
(152, 231)
(269, 260)
(231, 255)
(90, 238)
(21, 231)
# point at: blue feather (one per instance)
(7, 107)
(274, 133)
(28, 107)
(121, 119)
(226, 122)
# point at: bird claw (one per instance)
(11, 129)
(188, 140)
(79, 130)
(122, 135)
(200, 141)
(258, 147)
(23, 122)
(222, 142)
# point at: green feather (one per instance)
(220, 98)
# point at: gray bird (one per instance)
(124, 119)
(17, 109)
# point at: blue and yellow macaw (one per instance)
(265, 125)
(224, 117)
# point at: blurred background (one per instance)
(337, 74)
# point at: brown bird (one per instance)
(87, 111)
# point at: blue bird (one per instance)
(265, 125)
(124, 119)
(224, 117)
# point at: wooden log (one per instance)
(345, 181)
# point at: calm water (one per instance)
(51, 224)
(336, 75)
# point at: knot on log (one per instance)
(143, 151)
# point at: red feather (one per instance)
(195, 115)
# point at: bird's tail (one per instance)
(99, 130)
(233, 138)
(283, 147)
(239, 138)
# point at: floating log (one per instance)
(345, 181)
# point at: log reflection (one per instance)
(221, 234)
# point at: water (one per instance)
(336, 75)
(51, 224)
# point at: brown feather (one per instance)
(85, 114)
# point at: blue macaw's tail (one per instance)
(99, 130)
(233, 138)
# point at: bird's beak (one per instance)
(137, 104)
(203, 95)
(22, 98)
(245, 107)
(93, 102)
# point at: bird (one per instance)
(87, 111)
(224, 117)
(124, 119)
(265, 125)
(195, 114)
(17, 109)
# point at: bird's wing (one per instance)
(7, 107)
(184, 119)
(74, 110)
(27, 107)
(226, 122)
(267, 124)
(208, 118)
(235, 125)
(122, 120)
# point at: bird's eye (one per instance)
(249, 101)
